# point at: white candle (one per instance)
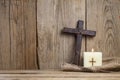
(92, 59)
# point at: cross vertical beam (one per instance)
(78, 43)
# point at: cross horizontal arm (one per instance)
(89, 33)
(69, 30)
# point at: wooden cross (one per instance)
(92, 61)
(78, 32)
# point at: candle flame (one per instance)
(92, 50)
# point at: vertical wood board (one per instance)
(104, 17)
(18, 34)
(23, 34)
(55, 48)
(4, 35)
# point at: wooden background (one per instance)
(30, 31)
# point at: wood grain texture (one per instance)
(23, 34)
(30, 20)
(55, 48)
(58, 78)
(57, 75)
(4, 35)
(103, 16)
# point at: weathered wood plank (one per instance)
(103, 16)
(56, 75)
(52, 15)
(23, 34)
(30, 20)
(4, 35)
(58, 79)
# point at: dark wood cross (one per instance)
(92, 61)
(78, 32)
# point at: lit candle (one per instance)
(92, 59)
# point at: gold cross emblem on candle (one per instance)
(92, 61)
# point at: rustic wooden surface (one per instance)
(104, 17)
(23, 46)
(56, 75)
(18, 34)
(4, 35)
(23, 34)
(52, 15)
